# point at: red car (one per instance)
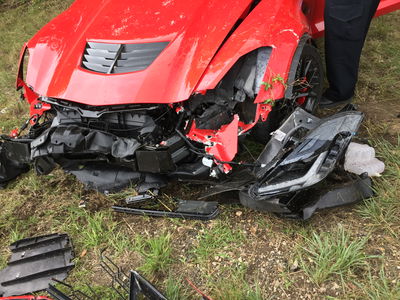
(145, 92)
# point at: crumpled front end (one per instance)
(107, 149)
(111, 148)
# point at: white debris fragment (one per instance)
(214, 174)
(207, 162)
(361, 159)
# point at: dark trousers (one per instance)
(346, 27)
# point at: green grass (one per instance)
(328, 254)
(383, 211)
(156, 253)
(175, 288)
(380, 64)
(380, 287)
(233, 285)
(216, 241)
(17, 26)
(94, 231)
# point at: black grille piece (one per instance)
(120, 58)
(35, 262)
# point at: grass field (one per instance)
(346, 253)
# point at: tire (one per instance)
(307, 86)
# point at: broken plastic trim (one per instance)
(191, 210)
(72, 294)
(350, 193)
(135, 285)
(303, 204)
(140, 286)
(34, 262)
(10, 166)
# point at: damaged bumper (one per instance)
(299, 157)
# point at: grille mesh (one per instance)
(120, 58)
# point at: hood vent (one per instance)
(120, 58)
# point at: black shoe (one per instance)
(328, 103)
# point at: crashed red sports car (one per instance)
(145, 92)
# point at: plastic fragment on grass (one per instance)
(361, 158)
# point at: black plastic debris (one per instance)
(34, 262)
(187, 209)
(12, 162)
(149, 195)
(303, 204)
(139, 286)
(70, 293)
(350, 193)
(134, 285)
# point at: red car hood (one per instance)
(195, 29)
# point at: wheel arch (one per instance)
(282, 27)
(295, 61)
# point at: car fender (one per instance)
(280, 26)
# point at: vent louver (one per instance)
(120, 58)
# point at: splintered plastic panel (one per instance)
(34, 262)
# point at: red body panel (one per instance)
(195, 30)
(316, 13)
(220, 143)
(278, 24)
(387, 6)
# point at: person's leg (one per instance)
(346, 26)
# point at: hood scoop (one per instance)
(108, 58)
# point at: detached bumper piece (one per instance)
(35, 262)
(302, 153)
(14, 158)
(191, 210)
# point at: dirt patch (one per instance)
(383, 116)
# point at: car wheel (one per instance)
(307, 86)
